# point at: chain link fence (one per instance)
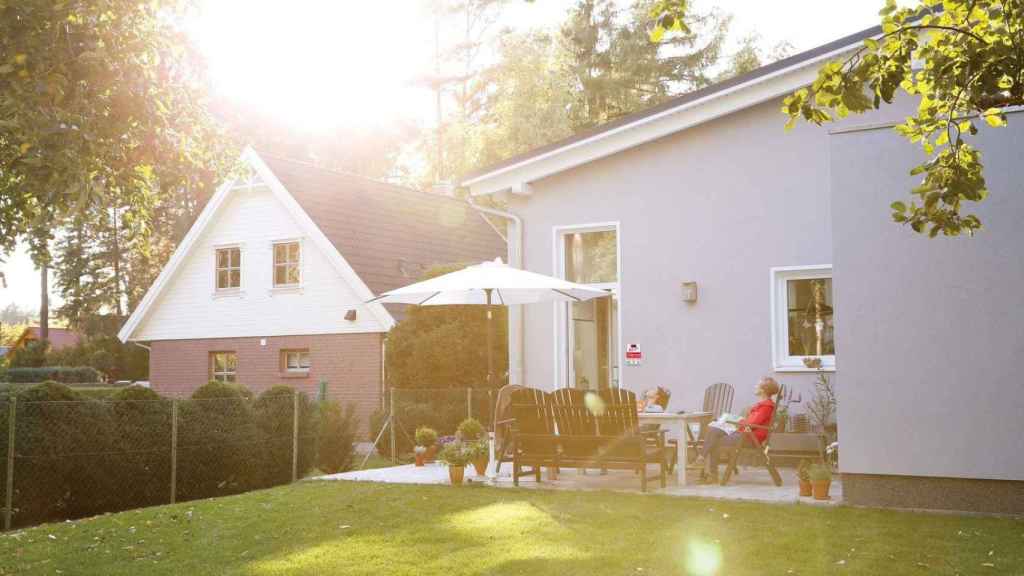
(394, 429)
(65, 459)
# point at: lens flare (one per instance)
(703, 558)
(594, 403)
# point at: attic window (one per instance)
(229, 268)
(287, 264)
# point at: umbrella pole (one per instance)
(490, 341)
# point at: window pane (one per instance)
(291, 360)
(222, 259)
(304, 359)
(232, 361)
(293, 274)
(218, 362)
(591, 257)
(234, 257)
(222, 279)
(293, 252)
(279, 253)
(236, 278)
(810, 315)
(280, 274)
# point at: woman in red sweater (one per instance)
(760, 414)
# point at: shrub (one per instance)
(337, 435)
(142, 419)
(426, 436)
(105, 353)
(218, 442)
(456, 453)
(470, 429)
(31, 355)
(274, 412)
(62, 374)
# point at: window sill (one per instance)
(295, 375)
(289, 289)
(793, 367)
(229, 293)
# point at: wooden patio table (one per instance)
(678, 424)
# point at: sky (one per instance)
(312, 63)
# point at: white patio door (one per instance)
(588, 332)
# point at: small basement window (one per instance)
(803, 317)
(224, 366)
(295, 360)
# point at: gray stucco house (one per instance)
(788, 239)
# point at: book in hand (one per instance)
(726, 423)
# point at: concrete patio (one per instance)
(752, 484)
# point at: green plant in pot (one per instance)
(427, 438)
(821, 479)
(473, 433)
(456, 455)
(803, 474)
(421, 455)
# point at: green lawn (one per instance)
(351, 529)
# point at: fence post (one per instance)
(174, 450)
(9, 494)
(469, 402)
(295, 436)
(394, 422)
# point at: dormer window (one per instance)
(287, 264)
(229, 268)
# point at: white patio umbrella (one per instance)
(488, 284)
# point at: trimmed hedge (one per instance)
(61, 374)
(80, 457)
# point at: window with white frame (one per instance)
(588, 332)
(229, 268)
(803, 318)
(287, 263)
(295, 360)
(224, 366)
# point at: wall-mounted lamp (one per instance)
(350, 315)
(689, 291)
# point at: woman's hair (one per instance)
(661, 397)
(769, 386)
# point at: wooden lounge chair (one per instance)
(623, 444)
(749, 443)
(717, 400)
(531, 433)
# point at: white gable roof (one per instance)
(381, 318)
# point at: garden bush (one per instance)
(218, 442)
(142, 419)
(337, 436)
(274, 413)
(62, 374)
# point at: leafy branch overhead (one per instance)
(964, 60)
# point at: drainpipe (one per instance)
(514, 240)
(143, 346)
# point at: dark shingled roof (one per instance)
(389, 234)
(678, 101)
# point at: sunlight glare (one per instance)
(315, 64)
(702, 558)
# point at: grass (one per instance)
(360, 528)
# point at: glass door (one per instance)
(591, 330)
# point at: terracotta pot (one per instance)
(805, 487)
(481, 465)
(820, 489)
(456, 473)
(421, 457)
(431, 453)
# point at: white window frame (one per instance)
(216, 269)
(222, 376)
(562, 343)
(274, 286)
(781, 359)
(300, 352)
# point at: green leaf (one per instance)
(994, 117)
(898, 207)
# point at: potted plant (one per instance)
(427, 437)
(472, 433)
(803, 473)
(821, 478)
(456, 455)
(421, 455)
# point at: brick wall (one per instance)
(350, 363)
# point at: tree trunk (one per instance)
(44, 304)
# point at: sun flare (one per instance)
(314, 64)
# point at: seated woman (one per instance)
(760, 414)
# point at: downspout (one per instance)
(514, 241)
(144, 347)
